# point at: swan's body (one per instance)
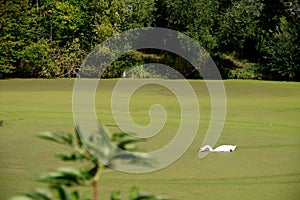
(222, 148)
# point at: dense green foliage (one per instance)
(247, 38)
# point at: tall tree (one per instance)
(238, 27)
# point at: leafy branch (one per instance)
(62, 181)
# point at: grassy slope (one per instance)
(262, 119)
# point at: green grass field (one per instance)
(262, 119)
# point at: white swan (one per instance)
(222, 148)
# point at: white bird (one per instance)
(124, 74)
(222, 148)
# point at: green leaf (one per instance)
(37, 194)
(75, 195)
(124, 143)
(104, 131)
(133, 193)
(115, 195)
(71, 156)
(62, 138)
(88, 173)
(97, 145)
(132, 158)
(78, 139)
(136, 194)
(20, 198)
(61, 192)
(63, 176)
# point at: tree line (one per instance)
(248, 39)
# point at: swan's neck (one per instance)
(209, 148)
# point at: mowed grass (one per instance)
(262, 120)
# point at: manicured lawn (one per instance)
(262, 119)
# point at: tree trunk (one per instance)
(95, 195)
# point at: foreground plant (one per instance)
(62, 184)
